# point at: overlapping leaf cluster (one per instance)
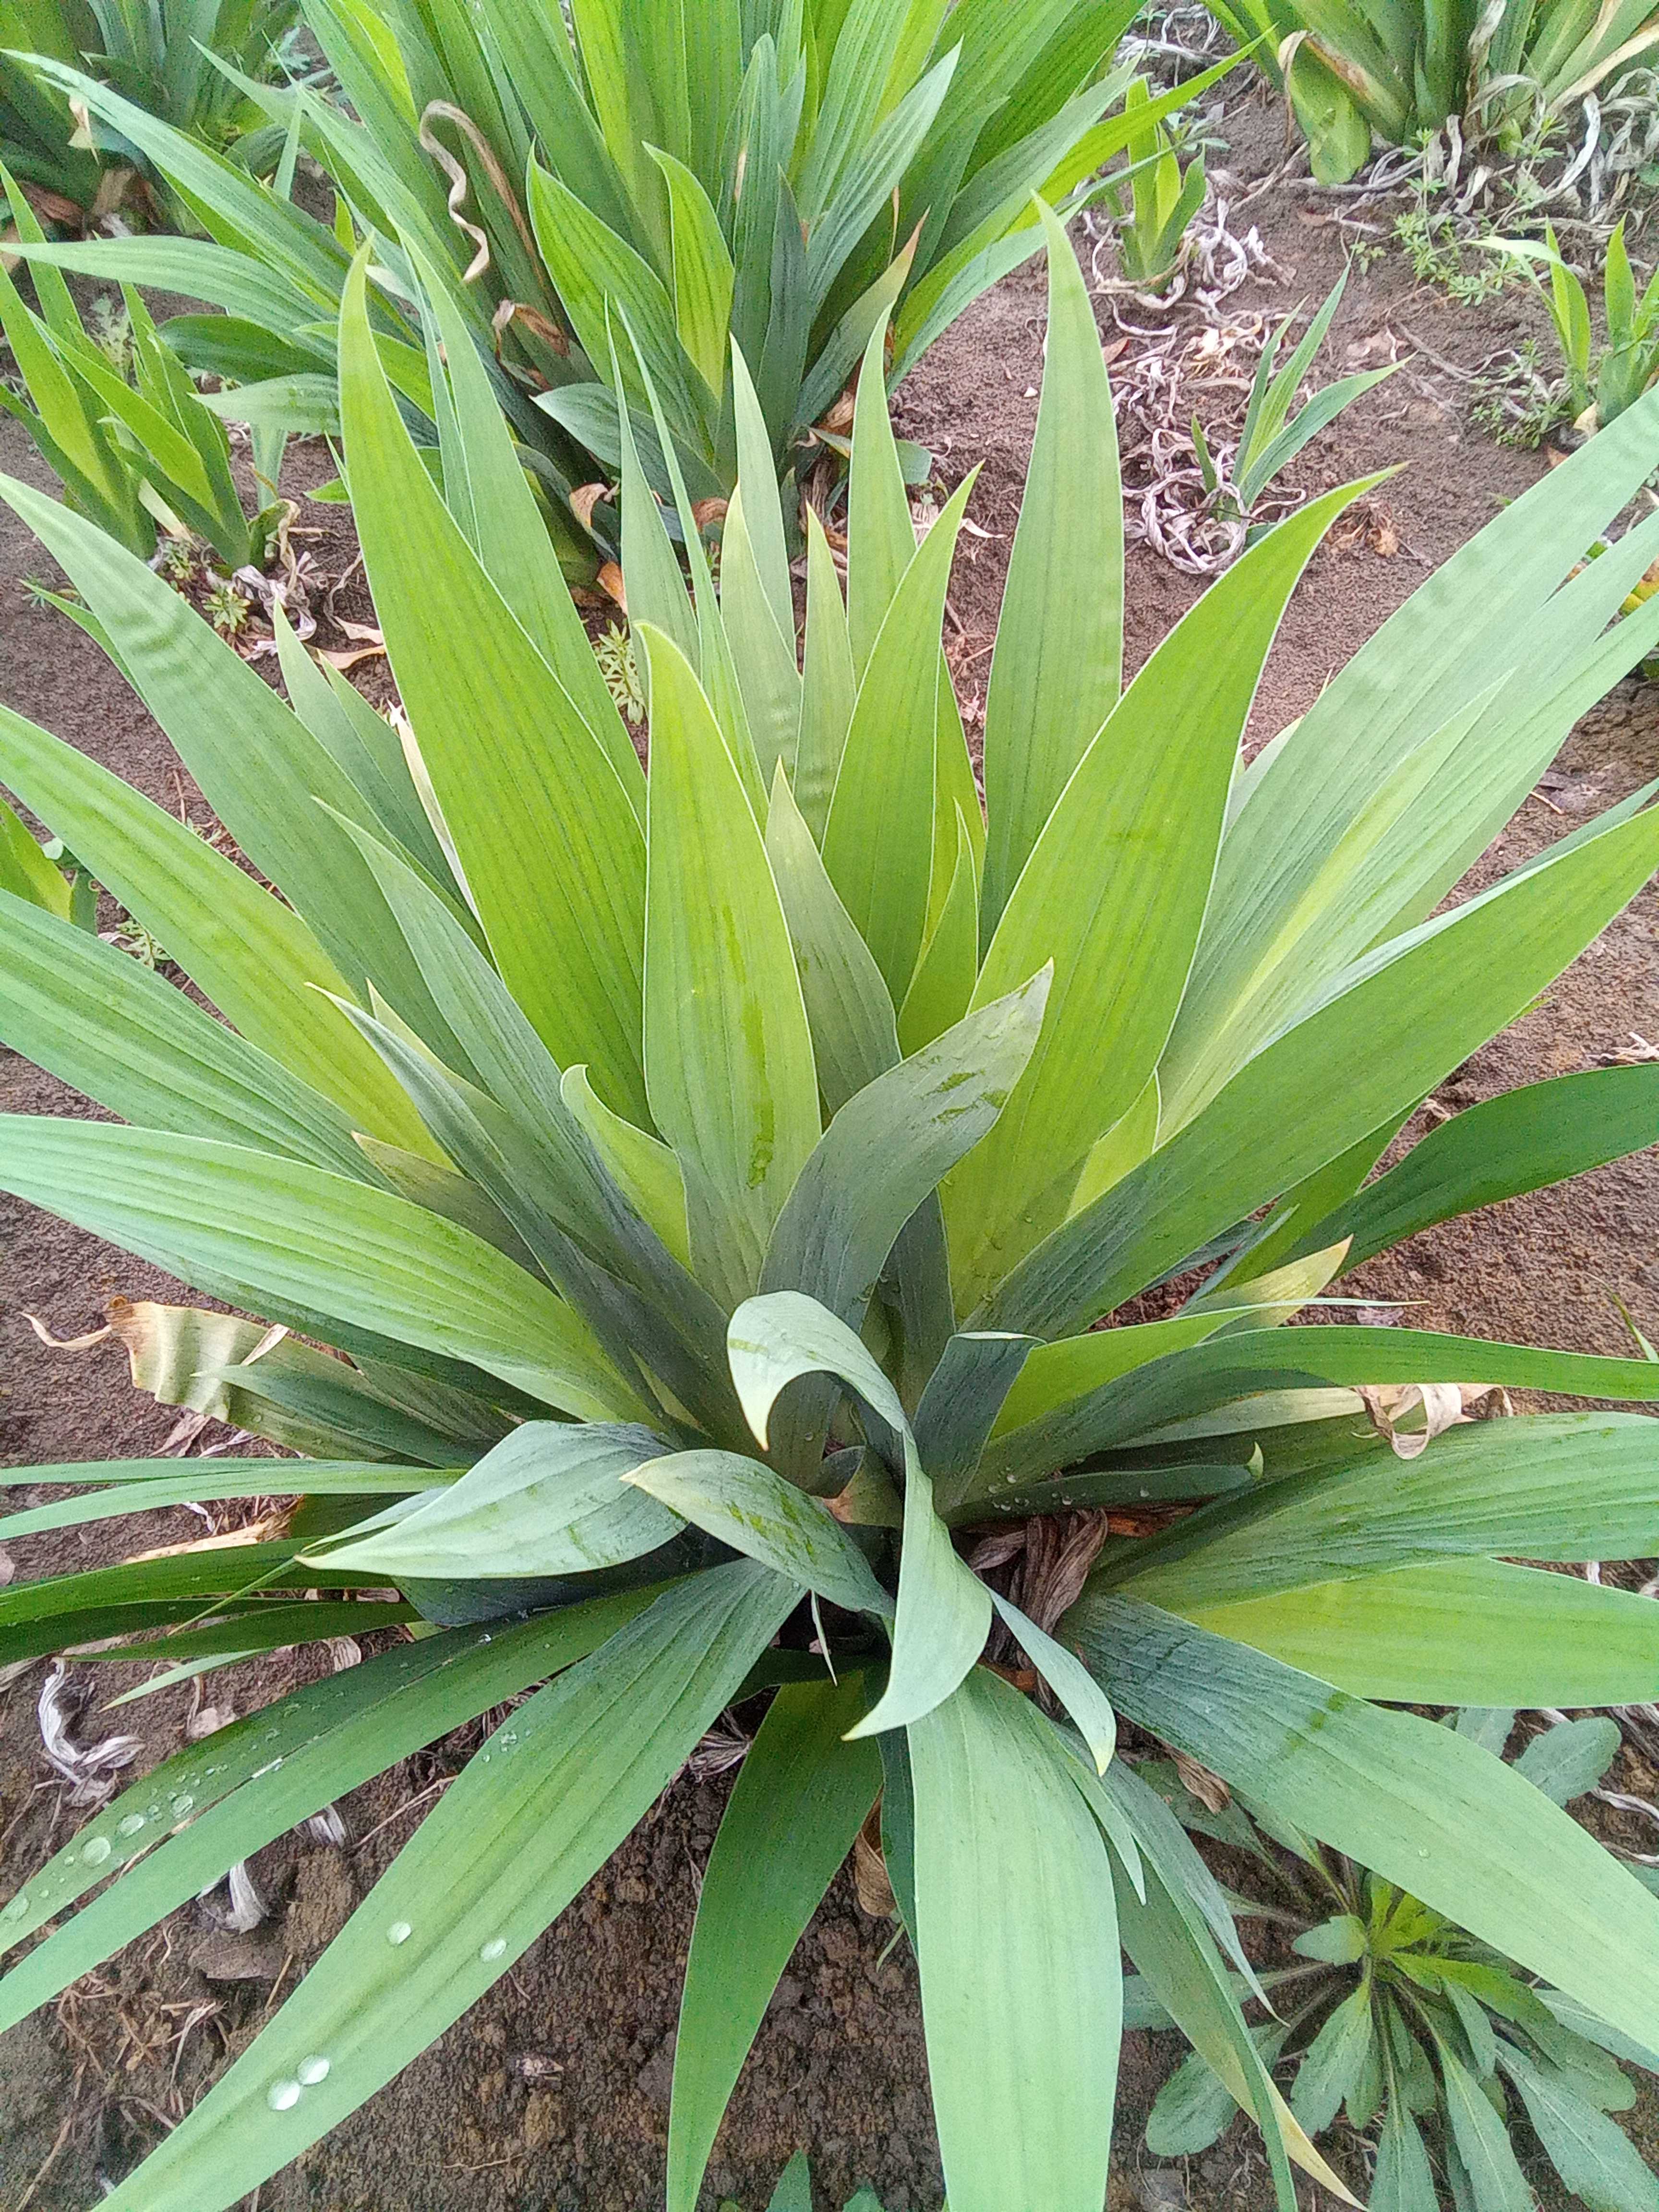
(782, 177)
(166, 55)
(708, 1180)
(136, 454)
(1397, 72)
(1391, 2012)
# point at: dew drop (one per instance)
(130, 1825)
(17, 1908)
(282, 2096)
(182, 1805)
(493, 1948)
(311, 2071)
(96, 1850)
(399, 1932)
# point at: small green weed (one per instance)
(1436, 254)
(615, 654)
(1515, 402)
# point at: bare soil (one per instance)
(553, 2093)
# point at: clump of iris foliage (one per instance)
(690, 1194)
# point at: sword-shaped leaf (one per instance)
(211, 1210)
(553, 853)
(548, 1500)
(1058, 663)
(1015, 1924)
(801, 1796)
(728, 1052)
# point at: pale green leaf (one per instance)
(1015, 1924)
(728, 1052)
(747, 1505)
(1058, 663)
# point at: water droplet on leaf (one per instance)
(282, 2096)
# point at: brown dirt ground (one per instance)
(553, 2093)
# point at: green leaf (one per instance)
(643, 1168)
(1195, 2105)
(591, 266)
(25, 874)
(1593, 2156)
(1334, 2062)
(531, 1155)
(1057, 1384)
(1465, 974)
(877, 842)
(321, 1244)
(488, 492)
(1165, 1935)
(763, 506)
(548, 1500)
(881, 540)
(854, 1035)
(1338, 1941)
(944, 1610)
(844, 1214)
(651, 570)
(198, 267)
(1547, 1486)
(1571, 1758)
(1457, 1632)
(728, 1052)
(703, 275)
(960, 1405)
(754, 1510)
(1523, 1139)
(794, 2190)
(801, 1796)
(145, 1485)
(1152, 792)
(247, 953)
(763, 654)
(1414, 1801)
(943, 986)
(552, 851)
(512, 1841)
(1058, 665)
(365, 747)
(1014, 1924)
(1069, 1679)
(103, 1023)
(1485, 611)
(1481, 2141)
(1404, 2179)
(262, 1775)
(828, 686)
